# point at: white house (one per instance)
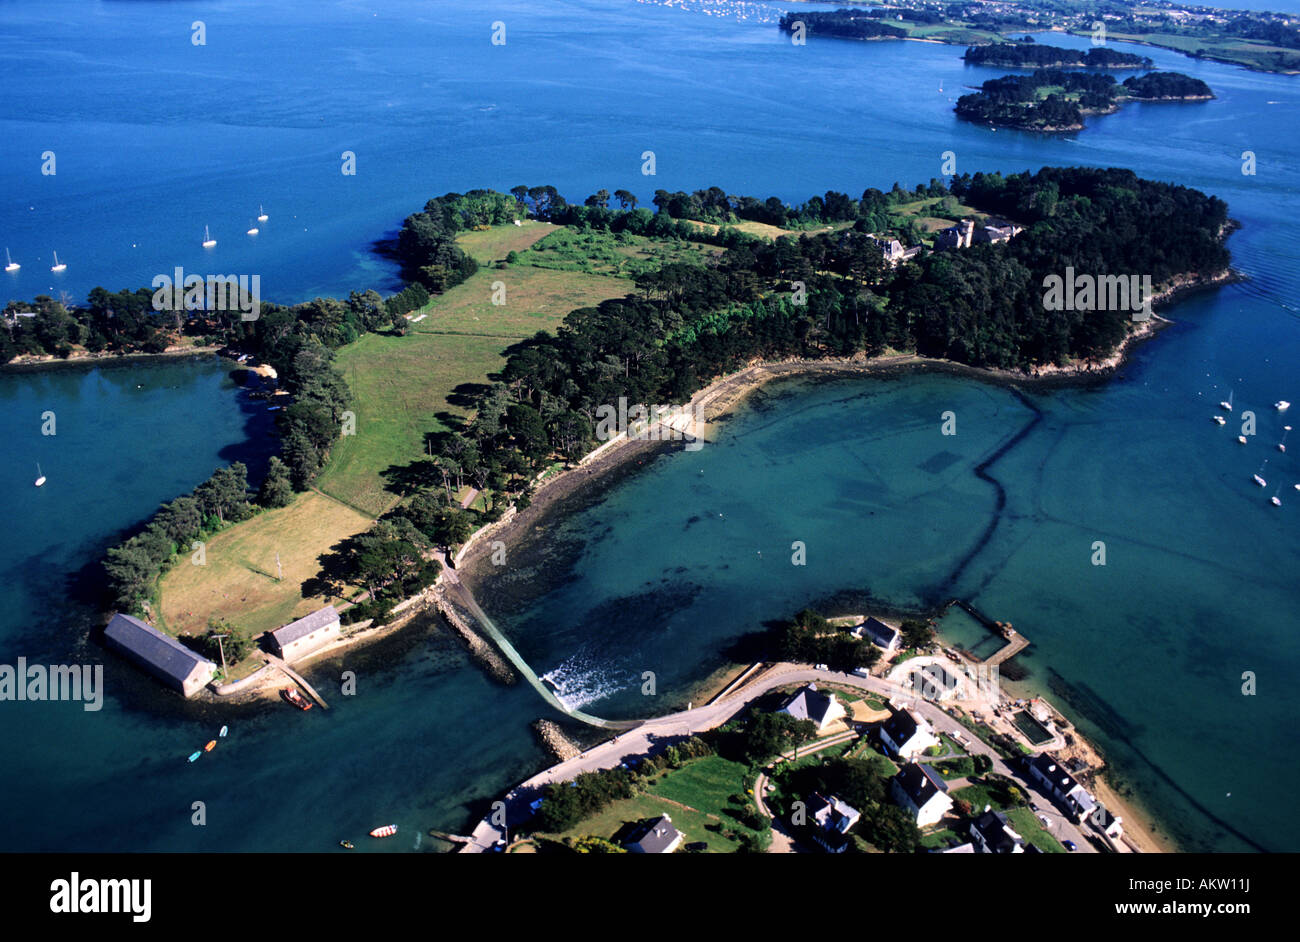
(991, 833)
(921, 792)
(655, 836)
(907, 735)
(809, 703)
(1048, 771)
(879, 634)
(832, 821)
(161, 655)
(310, 633)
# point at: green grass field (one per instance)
(402, 388)
(238, 581)
(704, 786)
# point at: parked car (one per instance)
(862, 672)
(1070, 845)
(820, 667)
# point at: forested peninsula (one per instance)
(835, 283)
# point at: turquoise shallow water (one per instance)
(1199, 584)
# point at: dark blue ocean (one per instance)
(154, 138)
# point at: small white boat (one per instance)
(58, 265)
(253, 231)
(224, 730)
(261, 214)
(1260, 481)
(1226, 406)
(1242, 439)
(208, 241)
(1221, 420)
(40, 478)
(1281, 405)
(1275, 501)
(10, 264)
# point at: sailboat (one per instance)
(261, 214)
(1220, 419)
(1286, 430)
(1275, 500)
(1258, 475)
(40, 477)
(10, 264)
(1281, 405)
(253, 230)
(208, 241)
(1227, 406)
(58, 265)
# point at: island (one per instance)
(1031, 55)
(1053, 100)
(623, 303)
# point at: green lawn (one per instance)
(694, 825)
(402, 388)
(1021, 819)
(706, 785)
(238, 580)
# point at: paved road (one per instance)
(656, 734)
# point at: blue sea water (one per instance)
(154, 138)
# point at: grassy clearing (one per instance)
(487, 246)
(694, 825)
(402, 388)
(238, 582)
(763, 231)
(615, 254)
(706, 785)
(535, 299)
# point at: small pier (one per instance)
(296, 678)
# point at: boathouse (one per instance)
(161, 655)
(310, 633)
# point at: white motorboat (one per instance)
(208, 241)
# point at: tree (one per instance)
(626, 199)
(129, 570)
(916, 633)
(590, 844)
(277, 487)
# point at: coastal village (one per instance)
(974, 770)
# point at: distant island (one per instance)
(1031, 55)
(1263, 41)
(1054, 100)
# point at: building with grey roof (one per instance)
(809, 703)
(921, 791)
(655, 836)
(161, 655)
(879, 634)
(297, 639)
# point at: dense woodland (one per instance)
(843, 24)
(687, 324)
(1164, 85)
(1033, 55)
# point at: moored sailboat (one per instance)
(10, 264)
